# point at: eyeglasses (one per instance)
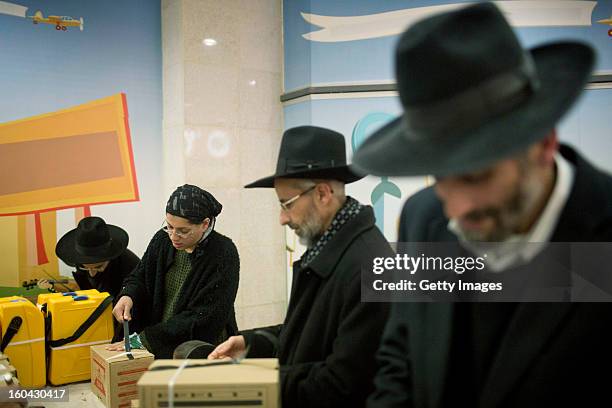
(99, 267)
(286, 205)
(171, 230)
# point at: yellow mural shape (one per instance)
(71, 158)
(74, 157)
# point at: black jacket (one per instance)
(111, 279)
(548, 354)
(205, 307)
(326, 345)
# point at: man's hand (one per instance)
(234, 347)
(123, 309)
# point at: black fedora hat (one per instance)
(92, 241)
(310, 152)
(472, 95)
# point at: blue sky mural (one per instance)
(119, 50)
(371, 59)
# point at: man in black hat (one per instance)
(185, 285)
(326, 344)
(480, 115)
(99, 252)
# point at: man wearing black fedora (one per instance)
(326, 344)
(99, 252)
(480, 115)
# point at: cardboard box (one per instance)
(114, 375)
(252, 382)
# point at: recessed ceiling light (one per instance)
(209, 42)
(252, 82)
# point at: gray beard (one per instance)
(310, 231)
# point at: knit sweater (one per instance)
(175, 278)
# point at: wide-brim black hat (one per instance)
(471, 95)
(92, 241)
(310, 152)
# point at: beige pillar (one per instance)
(222, 76)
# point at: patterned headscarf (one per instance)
(190, 201)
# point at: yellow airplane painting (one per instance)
(61, 23)
(607, 21)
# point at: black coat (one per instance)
(327, 343)
(111, 279)
(548, 354)
(205, 306)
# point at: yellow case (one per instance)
(44, 297)
(26, 351)
(71, 362)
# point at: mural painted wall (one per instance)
(80, 126)
(332, 42)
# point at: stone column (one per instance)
(222, 74)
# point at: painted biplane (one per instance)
(61, 23)
(607, 21)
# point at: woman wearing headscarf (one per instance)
(185, 285)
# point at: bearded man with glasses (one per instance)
(185, 285)
(326, 345)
